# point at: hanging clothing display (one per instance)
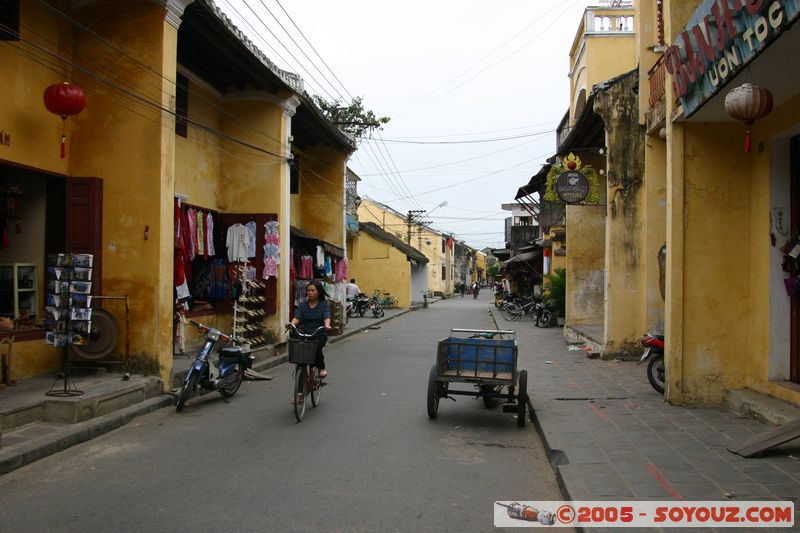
(320, 261)
(201, 236)
(328, 267)
(191, 225)
(251, 239)
(341, 269)
(210, 235)
(272, 249)
(236, 242)
(306, 267)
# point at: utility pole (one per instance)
(412, 214)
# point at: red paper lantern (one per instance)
(64, 99)
(748, 103)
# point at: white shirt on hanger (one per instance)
(237, 242)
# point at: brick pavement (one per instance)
(611, 436)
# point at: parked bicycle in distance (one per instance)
(385, 298)
(306, 381)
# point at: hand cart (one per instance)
(476, 356)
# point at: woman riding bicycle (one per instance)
(313, 313)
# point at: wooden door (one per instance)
(794, 174)
(84, 223)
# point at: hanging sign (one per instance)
(719, 40)
(572, 187)
(571, 182)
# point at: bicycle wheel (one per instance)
(391, 302)
(300, 391)
(236, 381)
(317, 390)
(188, 386)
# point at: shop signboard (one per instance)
(572, 187)
(721, 38)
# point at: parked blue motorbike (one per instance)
(231, 365)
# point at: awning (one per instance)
(328, 247)
(523, 258)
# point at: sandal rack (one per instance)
(249, 314)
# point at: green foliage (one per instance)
(352, 118)
(493, 270)
(555, 290)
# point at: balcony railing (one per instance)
(657, 76)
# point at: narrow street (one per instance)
(367, 459)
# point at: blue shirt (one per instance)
(312, 318)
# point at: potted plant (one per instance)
(555, 292)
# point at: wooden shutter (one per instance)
(84, 224)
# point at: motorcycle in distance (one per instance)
(543, 315)
(357, 306)
(654, 354)
(231, 365)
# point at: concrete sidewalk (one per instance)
(611, 436)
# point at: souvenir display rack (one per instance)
(68, 309)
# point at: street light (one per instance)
(443, 204)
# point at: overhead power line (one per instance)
(473, 141)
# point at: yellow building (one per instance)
(436, 246)
(381, 261)
(228, 154)
(601, 259)
(729, 217)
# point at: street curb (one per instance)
(16, 457)
(562, 484)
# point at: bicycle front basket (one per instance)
(302, 351)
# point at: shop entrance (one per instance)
(794, 151)
(40, 214)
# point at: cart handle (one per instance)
(495, 331)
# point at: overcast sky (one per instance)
(444, 71)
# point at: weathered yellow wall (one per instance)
(318, 209)
(35, 132)
(197, 156)
(585, 265)
(716, 261)
(131, 146)
(378, 265)
(654, 205)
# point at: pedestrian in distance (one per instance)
(463, 289)
(352, 290)
(313, 313)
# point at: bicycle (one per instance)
(306, 380)
(385, 298)
(516, 310)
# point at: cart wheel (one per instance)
(522, 397)
(489, 401)
(433, 394)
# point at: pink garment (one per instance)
(306, 267)
(341, 269)
(191, 218)
(270, 268)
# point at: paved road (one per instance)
(367, 459)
